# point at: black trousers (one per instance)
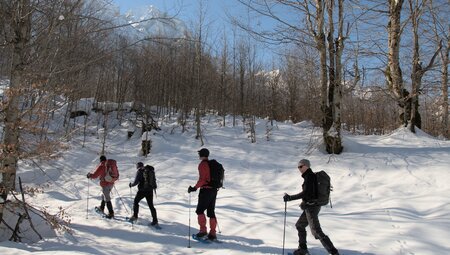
(149, 197)
(310, 216)
(207, 201)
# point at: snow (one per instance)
(390, 192)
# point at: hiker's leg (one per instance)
(210, 211)
(137, 199)
(210, 200)
(202, 205)
(301, 225)
(102, 205)
(312, 215)
(106, 193)
(328, 245)
(149, 199)
(110, 208)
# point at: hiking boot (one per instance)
(99, 210)
(212, 237)
(110, 210)
(301, 252)
(154, 223)
(133, 218)
(102, 206)
(201, 234)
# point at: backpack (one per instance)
(112, 172)
(323, 188)
(216, 173)
(149, 178)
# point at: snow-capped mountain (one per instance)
(151, 22)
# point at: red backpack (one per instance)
(112, 172)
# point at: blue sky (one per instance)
(216, 20)
(188, 9)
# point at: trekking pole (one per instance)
(121, 200)
(87, 201)
(131, 197)
(189, 232)
(284, 227)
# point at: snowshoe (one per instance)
(131, 219)
(155, 225)
(201, 237)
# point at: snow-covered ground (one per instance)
(391, 192)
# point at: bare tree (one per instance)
(331, 68)
(19, 35)
(394, 77)
(199, 72)
(328, 43)
(417, 8)
(441, 30)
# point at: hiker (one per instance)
(206, 198)
(107, 187)
(146, 181)
(310, 215)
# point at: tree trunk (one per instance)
(417, 70)
(444, 57)
(21, 25)
(393, 72)
(337, 96)
(332, 135)
(319, 36)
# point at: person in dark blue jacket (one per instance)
(146, 181)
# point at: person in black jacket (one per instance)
(146, 181)
(310, 215)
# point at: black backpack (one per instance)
(217, 174)
(149, 177)
(323, 188)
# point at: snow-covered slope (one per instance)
(390, 192)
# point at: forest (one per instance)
(364, 67)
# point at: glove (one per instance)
(286, 197)
(192, 189)
(130, 185)
(88, 175)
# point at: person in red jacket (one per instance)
(100, 172)
(206, 198)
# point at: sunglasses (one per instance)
(300, 166)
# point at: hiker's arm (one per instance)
(154, 181)
(98, 171)
(136, 179)
(296, 196)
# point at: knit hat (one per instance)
(203, 152)
(304, 162)
(139, 164)
(102, 158)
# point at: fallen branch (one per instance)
(15, 235)
(26, 210)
